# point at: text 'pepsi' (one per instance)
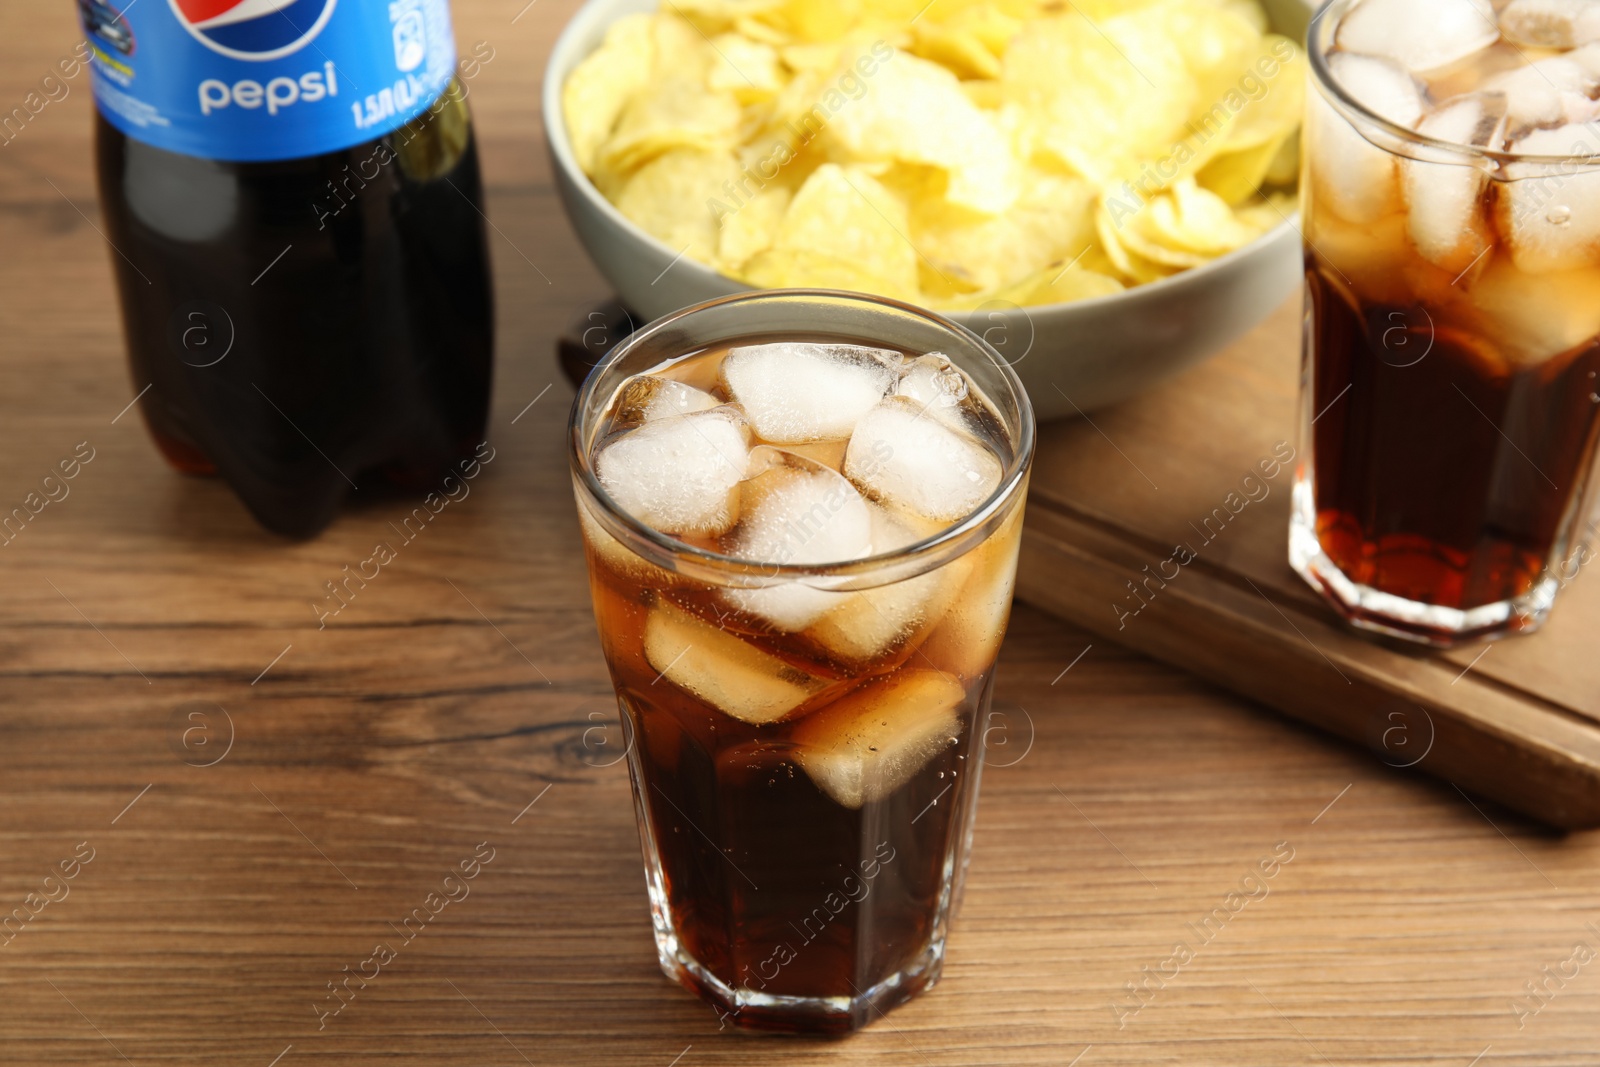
(217, 78)
(292, 193)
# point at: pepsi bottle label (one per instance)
(256, 80)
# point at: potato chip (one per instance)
(782, 268)
(1073, 283)
(1097, 261)
(1196, 219)
(1217, 44)
(1267, 212)
(1147, 259)
(889, 122)
(960, 51)
(1097, 11)
(679, 113)
(755, 29)
(989, 24)
(952, 153)
(1235, 176)
(1052, 221)
(989, 95)
(682, 49)
(798, 116)
(902, 12)
(1284, 170)
(1265, 114)
(1125, 261)
(1104, 96)
(814, 57)
(713, 17)
(746, 69)
(817, 20)
(1056, 283)
(751, 227)
(1249, 10)
(1271, 94)
(849, 216)
(600, 87)
(671, 199)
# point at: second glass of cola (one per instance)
(1451, 404)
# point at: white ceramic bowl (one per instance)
(1071, 357)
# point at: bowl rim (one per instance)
(559, 144)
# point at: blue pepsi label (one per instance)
(256, 80)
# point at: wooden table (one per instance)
(146, 622)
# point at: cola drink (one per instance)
(804, 675)
(1452, 392)
(292, 197)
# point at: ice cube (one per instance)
(1444, 201)
(1370, 257)
(647, 397)
(967, 641)
(1542, 92)
(1550, 213)
(1587, 57)
(726, 672)
(863, 747)
(1354, 176)
(680, 474)
(903, 457)
(873, 622)
(945, 392)
(1420, 35)
(795, 511)
(939, 387)
(1531, 317)
(1577, 110)
(1578, 105)
(933, 381)
(808, 392)
(1559, 24)
(1380, 85)
(618, 556)
(1477, 119)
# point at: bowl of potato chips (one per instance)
(1104, 189)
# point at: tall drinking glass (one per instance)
(803, 737)
(1450, 403)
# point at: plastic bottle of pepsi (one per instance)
(292, 196)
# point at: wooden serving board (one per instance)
(1115, 493)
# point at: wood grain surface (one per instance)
(1206, 463)
(351, 768)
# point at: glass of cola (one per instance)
(1450, 400)
(802, 511)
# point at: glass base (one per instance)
(1370, 609)
(749, 1009)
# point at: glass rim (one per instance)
(1352, 107)
(1011, 481)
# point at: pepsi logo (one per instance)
(254, 29)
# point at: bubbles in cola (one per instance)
(292, 196)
